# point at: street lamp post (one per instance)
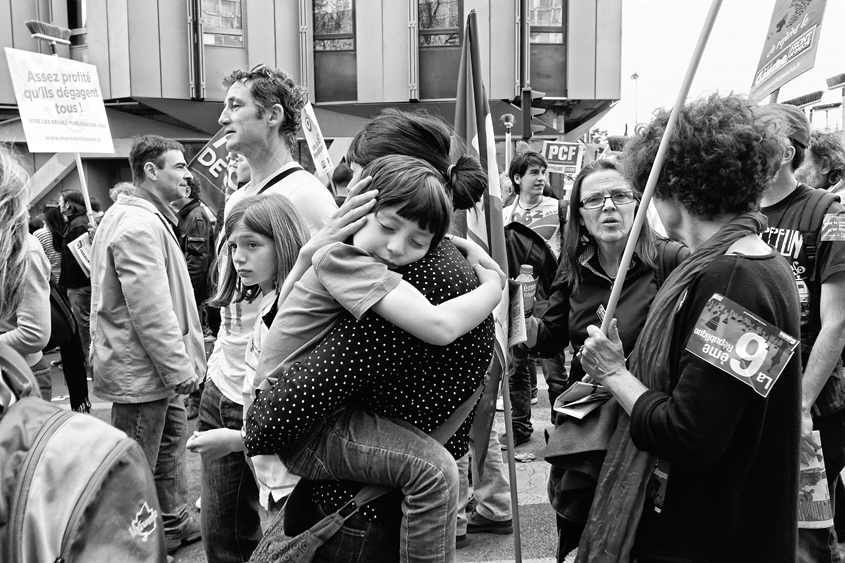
(635, 77)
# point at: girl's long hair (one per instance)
(55, 223)
(13, 225)
(274, 217)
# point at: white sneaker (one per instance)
(534, 400)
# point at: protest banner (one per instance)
(60, 104)
(316, 142)
(563, 158)
(213, 171)
(790, 46)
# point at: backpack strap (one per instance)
(669, 255)
(811, 220)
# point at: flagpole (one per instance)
(658, 164)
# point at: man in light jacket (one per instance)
(147, 344)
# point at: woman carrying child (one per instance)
(385, 369)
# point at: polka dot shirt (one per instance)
(384, 368)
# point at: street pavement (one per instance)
(537, 522)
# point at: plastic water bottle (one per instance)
(529, 287)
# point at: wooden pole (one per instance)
(506, 403)
(84, 185)
(658, 164)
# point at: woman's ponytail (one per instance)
(466, 182)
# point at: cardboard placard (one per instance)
(60, 104)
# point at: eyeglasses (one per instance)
(619, 198)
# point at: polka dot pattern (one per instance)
(384, 368)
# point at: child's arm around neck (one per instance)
(441, 324)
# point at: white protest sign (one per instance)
(60, 104)
(316, 143)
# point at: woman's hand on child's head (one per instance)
(345, 222)
(216, 443)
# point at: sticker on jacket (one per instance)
(833, 228)
(741, 344)
(144, 523)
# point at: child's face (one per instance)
(391, 239)
(254, 257)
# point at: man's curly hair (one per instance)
(829, 150)
(269, 87)
(721, 158)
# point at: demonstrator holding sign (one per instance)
(712, 440)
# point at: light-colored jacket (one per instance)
(145, 330)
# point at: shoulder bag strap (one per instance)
(278, 178)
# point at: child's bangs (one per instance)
(425, 202)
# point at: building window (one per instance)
(334, 25)
(440, 23)
(223, 23)
(546, 19)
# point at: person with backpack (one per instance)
(602, 207)
(796, 213)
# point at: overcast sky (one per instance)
(658, 37)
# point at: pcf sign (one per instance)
(563, 158)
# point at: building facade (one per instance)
(161, 63)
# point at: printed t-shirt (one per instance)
(544, 219)
(783, 235)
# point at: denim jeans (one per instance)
(492, 490)
(520, 393)
(231, 527)
(80, 305)
(41, 371)
(359, 445)
(160, 427)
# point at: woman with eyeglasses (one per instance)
(602, 207)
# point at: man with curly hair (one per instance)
(260, 118)
(821, 288)
(824, 164)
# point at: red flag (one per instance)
(485, 226)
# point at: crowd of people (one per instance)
(353, 324)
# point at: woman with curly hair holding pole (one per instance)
(712, 389)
